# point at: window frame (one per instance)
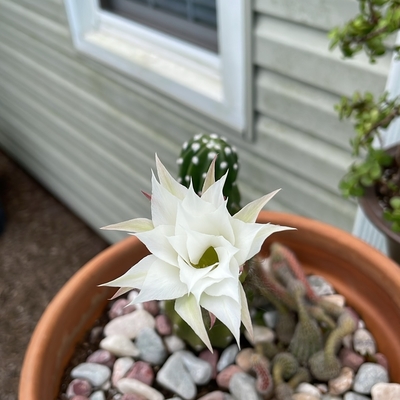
(215, 85)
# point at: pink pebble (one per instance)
(163, 325)
(382, 360)
(79, 398)
(350, 358)
(216, 395)
(212, 359)
(152, 307)
(141, 371)
(79, 387)
(103, 357)
(132, 396)
(120, 307)
(224, 377)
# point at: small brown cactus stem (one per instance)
(319, 314)
(302, 375)
(260, 366)
(307, 338)
(325, 365)
(282, 253)
(284, 367)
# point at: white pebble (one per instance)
(129, 385)
(119, 345)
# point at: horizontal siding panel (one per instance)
(297, 194)
(302, 154)
(302, 53)
(321, 14)
(50, 9)
(40, 28)
(302, 107)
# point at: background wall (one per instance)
(89, 134)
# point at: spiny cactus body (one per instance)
(196, 157)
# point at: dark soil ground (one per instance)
(43, 244)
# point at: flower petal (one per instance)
(190, 312)
(245, 313)
(136, 275)
(168, 182)
(214, 193)
(162, 283)
(226, 310)
(132, 225)
(210, 176)
(249, 212)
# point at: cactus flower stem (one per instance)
(260, 366)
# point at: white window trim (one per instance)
(216, 85)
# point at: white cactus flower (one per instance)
(197, 250)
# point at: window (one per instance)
(204, 65)
(194, 21)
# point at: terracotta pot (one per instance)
(369, 280)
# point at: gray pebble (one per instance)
(96, 374)
(174, 376)
(367, 376)
(151, 346)
(98, 395)
(320, 286)
(243, 387)
(199, 369)
(364, 342)
(174, 343)
(270, 318)
(227, 357)
(355, 396)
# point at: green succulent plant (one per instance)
(368, 31)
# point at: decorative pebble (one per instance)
(243, 359)
(132, 396)
(121, 367)
(225, 376)
(79, 387)
(120, 307)
(163, 325)
(243, 386)
(270, 318)
(130, 325)
(227, 357)
(216, 395)
(78, 397)
(98, 395)
(151, 346)
(142, 372)
(103, 357)
(343, 382)
(337, 299)
(369, 375)
(96, 374)
(307, 388)
(320, 286)
(322, 387)
(212, 359)
(174, 376)
(350, 358)
(133, 386)
(260, 334)
(386, 391)
(174, 343)
(304, 396)
(119, 345)
(200, 370)
(364, 342)
(381, 360)
(355, 396)
(330, 397)
(151, 307)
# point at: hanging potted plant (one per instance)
(209, 263)
(374, 177)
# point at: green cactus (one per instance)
(195, 159)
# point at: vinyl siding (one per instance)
(89, 133)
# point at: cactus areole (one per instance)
(195, 158)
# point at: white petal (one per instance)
(210, 177)
(214, 193)
(120, 292)
(132, 225)
(226, 310)
(162, 283)
(249, 212)
(245, 314)
(135, 277)
(168, 182)
(190, 312)
(157, 242)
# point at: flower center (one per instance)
(210, 257)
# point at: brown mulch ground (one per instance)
(42, 246)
